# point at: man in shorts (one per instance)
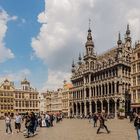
(18, 121)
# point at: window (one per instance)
(30, 104)
(19, 103)
(138, 67)
(138, 80)
(20, 95)
(138, 93)
(1, 107)
(11, 107)
(134, 68)
(22, 103)
(134, 81)
(16, 96)
(138, 54)
(134, 96)
(16, 103)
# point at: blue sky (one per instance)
(18, 40)
(40, 38)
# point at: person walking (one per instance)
(102, 124)
(95, 118)
(18, 121)
(8, 123)
(137, 125)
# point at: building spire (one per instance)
(89, 45)
(127, 34)
(127, 30)
(119, 42)
(80, 58)
(73, 65)
(89, 36)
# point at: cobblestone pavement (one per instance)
(76, 129)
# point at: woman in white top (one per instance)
(8, 123)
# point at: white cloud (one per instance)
(55, 80)
(134, 21)
(5, 53)
(15, 76)
(64, 28)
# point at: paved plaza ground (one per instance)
(77, 129)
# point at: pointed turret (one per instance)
(73, 67)
(128, 30)
(119, 42)
(127, 38)
(119, 49)
(127, 34)
(89, 43)
(80, 59)
(90, 54)
(25, 84)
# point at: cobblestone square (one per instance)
(77, 129)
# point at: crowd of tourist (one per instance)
(30, 121)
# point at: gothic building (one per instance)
(135, 78)
(100, 82)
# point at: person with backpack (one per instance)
(137, 125)
(102, 123)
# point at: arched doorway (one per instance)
(98, 106)
(105, 105)
(82, 106)
(112, 106)
(118, 104)
(74, 107)
(78, 108)
(71, 112)
(87, 92)
(93, 106)
(87, 107)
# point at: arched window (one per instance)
(92, 65)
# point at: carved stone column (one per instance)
(85, 109)
(108, 107)
(90, 107)
(115, 108)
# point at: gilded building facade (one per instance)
(135, 78)
(100, 82)
(48, 101)
(42, 100)
(56, 101)
(26, 99)
(6, 98)
(65, 98)
(21, 100)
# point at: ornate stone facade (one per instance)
(26, 98)
(48, 101)
(42, 100)
(14, 100)
(6, 97)
(135, 78)
(54, 101)
(100, 82)
(65, 98)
